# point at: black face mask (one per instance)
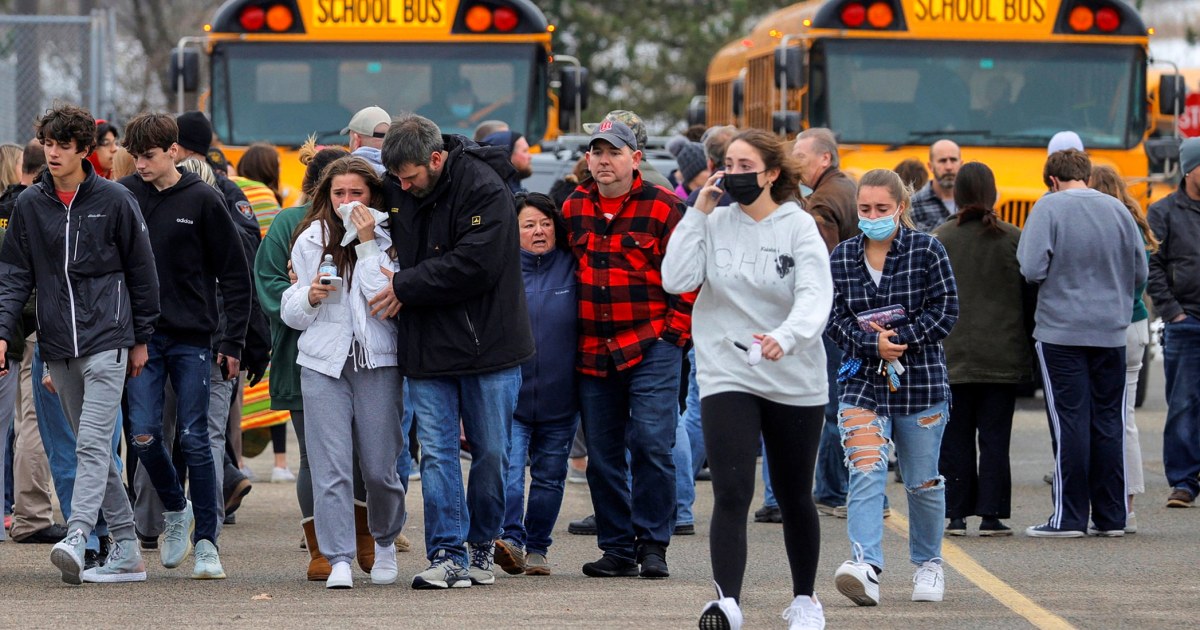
(743, 187)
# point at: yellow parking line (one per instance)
(962, 562)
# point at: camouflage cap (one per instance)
(630, 119)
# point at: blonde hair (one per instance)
(192, 165)
(896, 188)
(10, 164)
(123, 163)
(1105, 179)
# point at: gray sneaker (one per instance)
(537, 564)
(67, 555)
(124, 565)
(208, 562)
(443, 572)
(177, 537)
(482, 557)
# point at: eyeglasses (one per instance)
(105, 143)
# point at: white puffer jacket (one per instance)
(329, 329)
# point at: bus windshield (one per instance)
(282, 93)
(979, 94)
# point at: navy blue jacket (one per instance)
(548, 380)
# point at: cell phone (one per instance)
(334, 297)
(716, 194)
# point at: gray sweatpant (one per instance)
(90, 391)
(358, 412)
(147, 507)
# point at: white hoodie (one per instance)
(770, 276)
(329, 329)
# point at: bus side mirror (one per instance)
(785, 123)
(697, 111)
(574, 84)
(1161, 151)
(185, 68)
(789, 67)
(1171, 94)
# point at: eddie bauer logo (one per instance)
(183, 220)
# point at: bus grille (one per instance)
(1015, 211)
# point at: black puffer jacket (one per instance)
(91, 264)
(460, 280)
(1175, 268)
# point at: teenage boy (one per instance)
(195, 246)
(81, 242)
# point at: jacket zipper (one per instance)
(118, 301)
(67, 272)
(472, 328)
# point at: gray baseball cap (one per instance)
(615, 133)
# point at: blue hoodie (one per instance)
(548, 380)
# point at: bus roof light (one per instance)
(505, 19)
(253, 18)
(1082, 19)
(1107, 19)
(479, 19)
(880, 15)
(279, 18)
(853, 15)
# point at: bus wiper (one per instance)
(914, 136)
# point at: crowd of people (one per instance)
(758, 301)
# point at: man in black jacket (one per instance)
(196, 246)
(463, 332)
(81, 242)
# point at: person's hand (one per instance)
(3, 357)
(710, 193)
(363, 221)
(139, 354)
(888, 350)
(770, 348)
(292, 274)
(385, 304)
(232, 366)
(318, 291)
(48, 383)
(1178, 318)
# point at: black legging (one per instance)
(732, 424)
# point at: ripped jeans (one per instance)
(866, 440)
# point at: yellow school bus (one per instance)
(999, 77)
(280, 70)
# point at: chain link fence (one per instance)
(48, 59)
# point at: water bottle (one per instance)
(327, 266)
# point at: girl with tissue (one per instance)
(894, 300)
(765, 291)
(348, 373)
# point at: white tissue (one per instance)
(344, 211)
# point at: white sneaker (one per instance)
(857, 580)
(282, 475)
(384, 569)
(805, 613)
(722, 613)
(340, 576)
(929, 582)
(1131, 523)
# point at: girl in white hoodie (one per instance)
(765, 293)
(348, 373)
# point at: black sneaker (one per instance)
(685, 529)
(768, 514)
(611, 566)
(236, 487)
(147, 543)
(585, 526)
(48, 535)
(653, 561)
(93, 559)
(704, 475)
(992, 526)
(957, 527)
(230, 519)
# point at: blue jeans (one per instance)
(689, 451)
(404, 461)
(188, 369)
(638, 409)
(546, 444)
(831, 482)
(59, 442)
(919, 438)
(1181, 434)
(485, 403)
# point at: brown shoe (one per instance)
(536, 564)
(1180, 498)
(364, 542)
(318, 566)
(403, 544)
(510, 557)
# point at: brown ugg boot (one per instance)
(318, 566)
(363, 540)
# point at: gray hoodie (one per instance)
(1085, 252)
(770, 277)
(372, 156)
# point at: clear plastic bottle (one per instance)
(327, 266)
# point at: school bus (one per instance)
(999, 77)
(280, 70)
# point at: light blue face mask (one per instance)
(878, 229)
(461, 111)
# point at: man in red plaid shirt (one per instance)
(630, 351)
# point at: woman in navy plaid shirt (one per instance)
(894, 382)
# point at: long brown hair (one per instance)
(772, 150)
(261, 163)
(1106, 180)
(975, 195)
(322, 211)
